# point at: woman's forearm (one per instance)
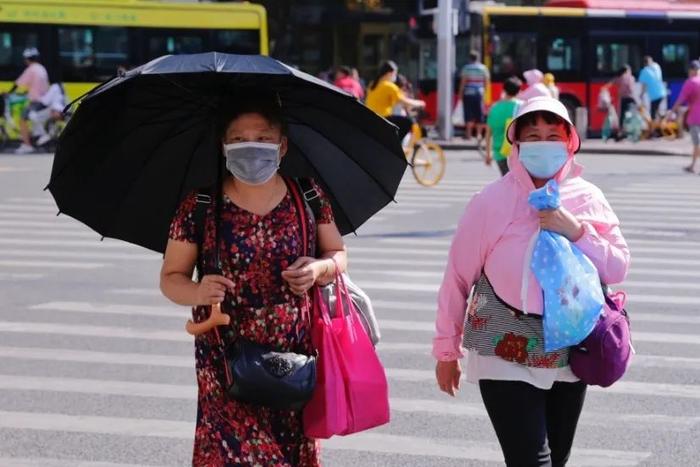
(329, 261)
(179, 288)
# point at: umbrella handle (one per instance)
(216, 318)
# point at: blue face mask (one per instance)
(543, 159)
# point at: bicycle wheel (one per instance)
(428, 163)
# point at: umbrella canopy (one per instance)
(137, 144)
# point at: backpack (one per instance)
(312, 202)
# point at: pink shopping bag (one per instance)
(326, 414)
(365, 381)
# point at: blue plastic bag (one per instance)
(573, 296)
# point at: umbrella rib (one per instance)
(391, 197)
(146, 163)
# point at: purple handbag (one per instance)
(602, 358)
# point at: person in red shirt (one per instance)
(345, 81)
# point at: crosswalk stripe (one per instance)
(9, 276)
(627, 285)
(469, 450)
(35, 200)
(616, 202)
(186, 361)
(53, 224)
(107, 244)
(49, 234)
(172, 311)
(354, 260)
(656, 191)
(49, 264)
(189, 392)
(664, 210)
(52, 462)
(94, 331)
(26, 207)
(687, 391)
(368, 441)
(180, 336)
(81, 254)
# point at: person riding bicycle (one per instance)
(54, 102)
(383, 94)
(35, 79)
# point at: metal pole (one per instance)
(445, 51)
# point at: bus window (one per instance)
(513, 53)
(563, 54)
(611, 56)
(12, 44)
(245, 42)
(91, 53)
(170, 42)
(674, 59)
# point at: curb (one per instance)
(585, 150)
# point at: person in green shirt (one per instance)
(500, 115)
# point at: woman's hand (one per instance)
(304, 273)
(562, 222)
(448, 375)
(212, 289)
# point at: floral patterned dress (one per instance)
(254, 251)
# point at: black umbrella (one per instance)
(140, 142)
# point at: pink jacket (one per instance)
(494, 233)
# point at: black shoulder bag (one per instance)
(255, 373)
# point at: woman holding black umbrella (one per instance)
(262, 285)
(143, 153)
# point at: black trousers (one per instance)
(625, 104)
(535, 427)
(655, 108)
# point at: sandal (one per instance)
(689, 170)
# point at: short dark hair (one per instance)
(512, 86)
(623, 70)
(346, 70)
(530, 119)
(248, 101)
(474, 55)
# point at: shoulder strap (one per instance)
(301, 212)
(204, 200)
(310, 195)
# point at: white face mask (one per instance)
(252, 163)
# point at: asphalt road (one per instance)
(96, 369)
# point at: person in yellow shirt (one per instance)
(383, 94)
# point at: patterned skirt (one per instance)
(494, 328)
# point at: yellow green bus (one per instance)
(85, 42)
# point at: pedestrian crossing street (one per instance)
(97, 371)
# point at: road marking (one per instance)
(41, 225)
(10, 276)
(658, 261)
(41, 200)
(654, 190)
(394, 273)
(654, 201)
(39, 208)
(49, 462)
(663, 299)
(389, 210)
(106, 244)
(393, 262)
(49, 264)
(661, 210)
(173, 311)
(78, 254)
(49, 234)
(637, 336)
(687, 391)
(94, 331)
(371, 442)
(468, 450)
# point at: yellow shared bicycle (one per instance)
(426, 157)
